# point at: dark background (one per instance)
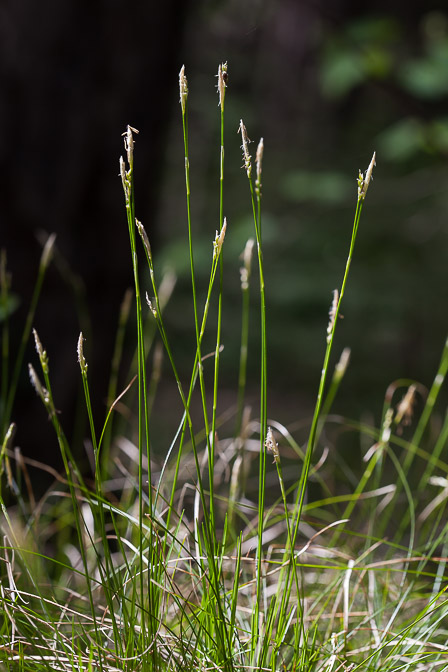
(325, 84)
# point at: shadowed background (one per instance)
(325, 84)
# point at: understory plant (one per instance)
(236, 546)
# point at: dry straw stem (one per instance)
(405, 408)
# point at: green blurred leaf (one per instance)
(402, 140)
(438, 132)
(427, 77)
(362, 51)
(9, 306)
(377, 62)
(341, 71)
(330, 187)
(379, 30)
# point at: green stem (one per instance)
(211, 517)
(211, 456)
(256, 212)
(314, 425)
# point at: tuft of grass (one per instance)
(240, 548)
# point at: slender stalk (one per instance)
(110, 585)
(280, 612)
(222, 84)
(208, 511)
(363, 184)
(127, 177)
(256, 212)
(209, 531)
(46, 396)
(186, 400)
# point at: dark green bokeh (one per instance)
(323, 105)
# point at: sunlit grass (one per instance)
(242, 547)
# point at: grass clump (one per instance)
(242, 548)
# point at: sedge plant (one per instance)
(207, 553)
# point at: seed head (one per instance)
(144, 237)
(81, 358)
(245, 147)
(219, 239)
(222, 83)
(38, 344)
(272, 445)
(9, 436)
(47, 252)
(332, 314)
(183, 89)
(123, 172)
(341, 366)
(129, 144)
(259, 164)
(126, 182)
(43, 357)
(364, 181)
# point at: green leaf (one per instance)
(8, 307)
(341, 72)
(402, 140)
(330, 187)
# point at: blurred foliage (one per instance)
(375, 82)
(363, 50)
(8, 306)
